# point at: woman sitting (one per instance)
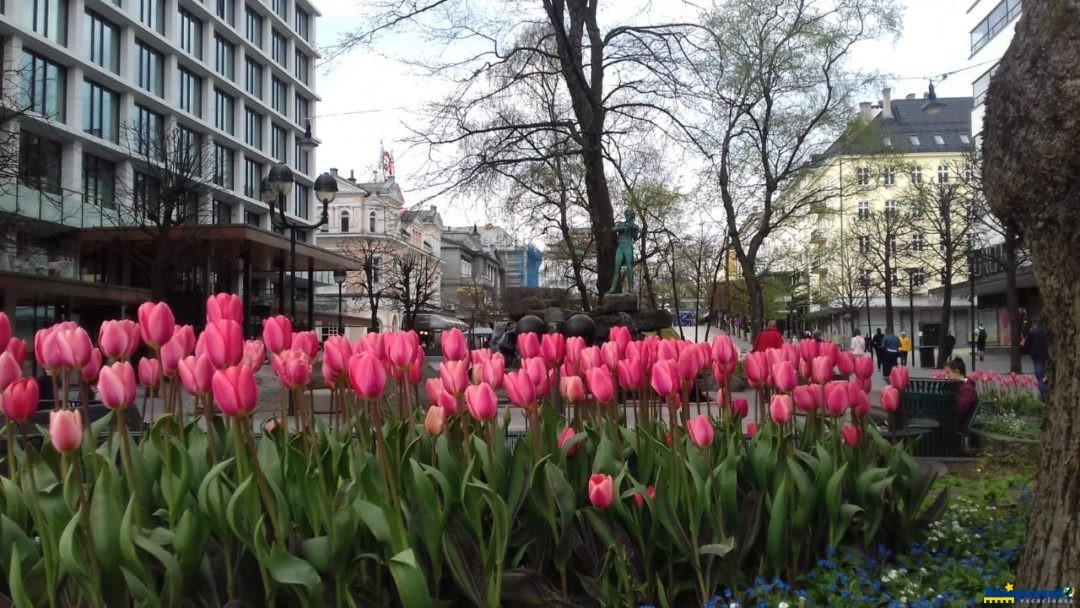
(966, 395)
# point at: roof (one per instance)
(913, 120)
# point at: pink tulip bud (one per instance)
(453, 345)
(528, 345)
(118, 339)
(433, 387)
(781, 409)
(481, 401)
(292, 366)
(600, 384)
(845, 364)
(553, 349)
(757, 369)
(836, 398)
(864, 367)
(16, 347)
(401, 348)
(821, 369)
(808, 349)
(196, 374)
(806, 397)
(890, 399)
(537, 371)
(65, 430)
(156, 323)
(235, 392)
(254, 355)
(567, 434)
(574, 346)
(772, 357)
(479, 355)
(435, 421)
(829, 350)
(116, 385)
(740, 407)
(336, 354)
(857, 399)
(784, 378)
(493, 371)
(5, 329)
(10, 370)
(751, 430)
(665, 378)
(372, 342)
(601, 490)
(277, 333)
(415, 373)
(667, 350)
(687, 365)
(701, 431)
(223, 342)
(224, 307)
(609, 354)
(306, 342)
(149, 372)
(589, 358)
(20, 400)
(639, 500)
(89, 372)
(899, 378)
(620, 335)
(723, 350)
(64, 346)
(520, 389)
(629, 373)
(454, 375)
(572, 389)
(171, 355)
(850, 434)
(367, 374)
(448, 402)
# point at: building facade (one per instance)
(521, 262)
(473, 277)
(991, 24)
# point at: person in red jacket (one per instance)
(770, 338)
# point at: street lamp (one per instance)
(911, 272)
(971, 298)
(339, 278)
(865, 282)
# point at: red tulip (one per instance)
(5, 329)
(10, 370)
(751, 430)
(118, 339)
(601, 490)
(481, 401)
(367, 374)
(567, 434)
(254, 355)
(574, 346)
(116, 385)
(433, 387)
(306, 342)
(448, 402)
(572, 389)
(639, 500)
(740, 407)
(401, 348)
(224, 306)
(336, 354)
(600, 384)
(665, 378)
(821, 369)
(520, 389)
(781, 409)
(864, 367)
(620, 335)
(899, 378)
(850, 434)
(629, 373)
(493, 371)
(16, 347)
(528, 345)
(89, 372)
(806, 397)
(292, 366)
(701, 431)
(553, 349)
(836, 397)
(890, 398)
(808, 349)
(196, 374)
(723, 349)
(223, 342)
(453, 345)
(235, 392)
(784, 378)
(454, 375)
(65, 430)
(149, 372)
(156, 323)
(435, 421)
(845, 364)
(20, 400)
(277, 333)
(757, 369)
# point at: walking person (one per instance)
(980, 341)
(947, 346)
(858, 344)
(890, 351)
(1038, 348)
(876, 342)
(905, 347)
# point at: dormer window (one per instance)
(888, 142)
(939, 140)
(914, 140)
(964, 139)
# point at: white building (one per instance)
(992, 24)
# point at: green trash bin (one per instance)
(936, 400)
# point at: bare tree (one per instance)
(882, 238)
(374, 257)
(839, 283)
(414, 283)
(479, 303)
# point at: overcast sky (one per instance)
(368, 97)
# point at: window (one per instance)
(252, 219)
(150, 70)
(303, 110)
(99, 182)
(252, 177)
(253, 128)
(466, 267)
(103, 40)
(279, 96)
(302, 24)
(939, 140)
(148, 131)
(887, 141)
(222, 212)
(864, 278)
(279, 8)
(223, 111)
(49, 18)
(190, 34)
(344, 221)
(862, 175)
(45, 91)
(303, 159)
(916, 210)
(995, 21)
(889, 176)
(189, 151)
(39, 162)
(890, 244)
(190, 91)
(223, 166)
(145, 191)
(918, 277)
(969, 173)
(964, 139)
(226, 10)
(253, 78)
(864, 210)
(279, 144)
(225, 57)
(253, 27)
(894, 278)
(278, 47)
(371, 222)
(864, 245)
(892, 210)
(301, 200)
(101, 109)
(152, 14)
(943, 174)
(301, 68)
(916, 175)
(918, 242)
(914, 140)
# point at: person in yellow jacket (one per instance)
(905, 347)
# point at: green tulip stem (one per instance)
(13, 469)
(244, 429)
(129, 464)
(384, 453)
(208, 413)
(47, 543)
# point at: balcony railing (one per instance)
(66, 208)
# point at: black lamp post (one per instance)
(339, 278)
(865, 282)
(911, 272)
(971, 299)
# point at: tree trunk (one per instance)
(756, 300)
(946, 318)
(1030, 172)
(1012, 301)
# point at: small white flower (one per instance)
(782, 605)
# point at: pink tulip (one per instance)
(574, 346)
(757, 369)
(667, 350)
(821, 369)
(67, 346)
(435, 421)
(567, 434)
(481, 401)
(899, 378)
(223, 342)
(453, 345)
(118, 339)
(784, 378)
(629, 373)
(10, 370)
(723, 349)
(20, 400)
(224, 306)
(620, 335)
(433, 387)
(5, 329)
(528, 345)
(292, 366)
(687, 365)
(772, 357)
(589, 358)
(149, 373)
(448, 402)
(600, 384)
(479, 355)
(493, 371)
(372, 342)
(781, 409)
(665, 378)
(829, 350)
(864, 367)
(89, 372)
(277, 333)
(16, 347)
(336, 354)
(537, 371)
(890, 398)
(806, 397)
(196, 374)
(740, 407)
(751, 430)
(639, 500)
(609, 354)
(116, 385)
(808, 349)
(171, 355)
(845, 364)
(367, 374)
(254, 355)
(65, 430)
(454, 375)
(857, 399)
(701, 430)
(401, 348)
(306, 342)
(156, 323)
(850, 434)
(601, 490)
(235, 392)
(520, 389)
(415, 373)
(572, 389)
(836, 397)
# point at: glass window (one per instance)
(189, 148)
(39, 162)
(226, 10)
(223, 111)
(279, 144)
(152, 14)
(146, 197)
(344, 221)
(99, 182)
(279, 96)
(890, 244)
(918, 242)
(222, 212)
(916, 174)
(914, 140)
(190, 33)
(225, 57)
(190, 92)
(887, 141)
(302, 68)
(892, 210)
(149, 132)
(253, 78)
(466, 263)
(150, 69)
(303, 159)
(939, 140)
(101, 108)
(278, 47)
(223, 166)
(303, 110)
(253, 27)
(943, 174)
(995, 21)
(103, 40)
(49, 18)
(864, 210)
(252, 177)
(47, 86)
(302, 24)
(888, 175)
(862, 175)
(301, 199)
(253, 128)
(964, 139)
(252, 219)
(864, 245)
(279, 8)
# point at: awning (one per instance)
(431, 320)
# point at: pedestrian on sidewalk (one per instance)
(1038, 348)
(876, 341)
(890, 351)
(858, 344)
(980, 341)
(770, 338)
(905, 347)
(947, 346)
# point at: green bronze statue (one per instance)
(626, 232)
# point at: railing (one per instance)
(66, 208)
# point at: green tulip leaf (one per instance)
(287, 569)
(19, 597)
(105, 520)
(145, 595)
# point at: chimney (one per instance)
(333, 171)
(432, 208)
(865, 111)
(910, 96)
(886, 103)
(352, 178)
